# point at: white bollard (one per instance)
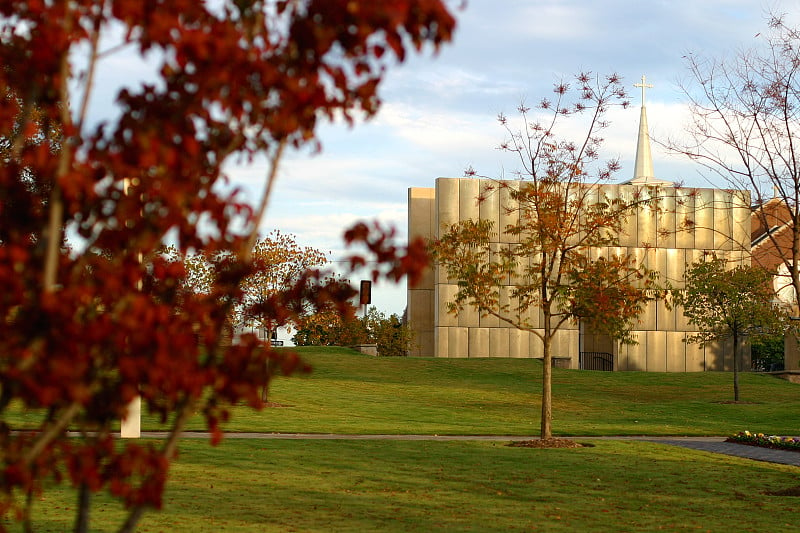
(131, 425)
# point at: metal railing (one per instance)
(596, 361)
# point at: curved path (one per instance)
(708, 444)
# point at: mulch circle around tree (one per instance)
(548, 443)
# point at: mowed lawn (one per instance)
(353, 393)
(323, 486)
(356, 394)
(366, 485)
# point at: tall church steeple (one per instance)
(643, 171)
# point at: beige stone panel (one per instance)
(647, 319)
(665, 232)
(665, 316)
(420, 307)
(741, 220)
(489, 321)
(420, 319)
(704, 219)
(504, 249)
(509, 210)
(727, 350)
(570, 346)
(441, 338)
(498, 342)
(639, 256)
(682, 321)
(586, 195)
(723, 220)
(656, 351)
(746, 355)
(561, 343)
(447, 214)
(458, 342)
(468, 194)
(676, 351)
(695, 357)
(490, 205)
(630, 226)
(647, 222)
(621, 358)
(621, 354)
(423, 345)
(591, 194)
(616, 251)
(596, 253)
(676, 267)
(508, 304)
(685, 217)
(611, 194)
(447, 203)
(443, 294)
(519, 343)
(533, 317)
(718, 356)
(634, 356)
(440, 275)
(479, 342)
(658, 262)
(469, 317)
(523, 265)
(536, 345)
(421, 214)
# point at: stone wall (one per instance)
(687, 224)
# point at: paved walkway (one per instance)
(708, 444)
(718, 445)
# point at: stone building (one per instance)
(720, 223)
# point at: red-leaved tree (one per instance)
(90, 321)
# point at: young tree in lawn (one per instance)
(560, 221)
(278, 262)
(745, 122)
(730, 304)
(87, 329)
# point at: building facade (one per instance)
(688, 224)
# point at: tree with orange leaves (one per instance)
(560, 222)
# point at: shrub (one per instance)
(392, 336)
(767, 353)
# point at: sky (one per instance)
(439, 112)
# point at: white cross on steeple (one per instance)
(644, 85)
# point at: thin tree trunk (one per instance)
(84, 501)
(547, 393)
(27, 524)
(735, 366)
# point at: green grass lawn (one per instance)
(264, 486)
(354, 485)
(352, 393)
